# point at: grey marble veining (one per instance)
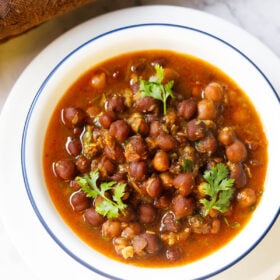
(258, 17)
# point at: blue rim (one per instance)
(33, 104)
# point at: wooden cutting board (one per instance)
(18, 16)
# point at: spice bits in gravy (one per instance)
(155, 158)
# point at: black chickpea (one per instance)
(155, 128)
(146, 243)
(207, 144)
(114, 151)
(138, 170)
(182, 206)
(153, 186)
(145, 147)
(73, 117)
(116, 104)
(214, 91)
(146, 104)
(138, 124)
(195, 129)
(83, 164)
(79, 201)
(111, 229)
(74, 146)
(93, 218)
(98, 81)
(166, 179)
(65, 169)
(184, 182)
(187, 108)
(107, 167)
(74, 185)
(246, 197)
(226, 136)
(120, 130)
(147, 213)
(173, 254)
(238, 173)
(236, 152)
(206, 109)
(161, 161)
(106, 118)
(169, 223)
(131, 230)
(136, 149)
(166, 142)
(153, 243)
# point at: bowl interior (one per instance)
(128, 39)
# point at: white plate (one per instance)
(46, 258)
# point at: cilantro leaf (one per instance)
(156, 89)
(159, 71)
(118, 194)
(86, 184)
(109, 208)
(218, 187)
(106, 209)
(104, 187)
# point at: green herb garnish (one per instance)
(219, 188)
(107, 207)
(188, 165)
(156, 89)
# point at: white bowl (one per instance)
(140, 37)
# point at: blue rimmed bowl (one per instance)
(146, 36)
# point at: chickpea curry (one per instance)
(155, 158)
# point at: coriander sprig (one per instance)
(154, 87)
(218, 187)
(107, 207)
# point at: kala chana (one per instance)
(145, 162)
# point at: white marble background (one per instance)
(260, 18)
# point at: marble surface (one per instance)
(258, 17)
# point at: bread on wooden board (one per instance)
(18, 16)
